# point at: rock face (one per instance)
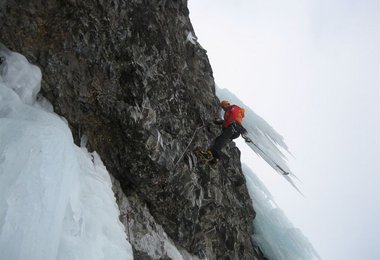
(130, 76)
(147, 237)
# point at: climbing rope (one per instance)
(187, 147)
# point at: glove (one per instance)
(247, 139)
(244, 132)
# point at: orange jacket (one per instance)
(233, 113)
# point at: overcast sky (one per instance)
(310, 69)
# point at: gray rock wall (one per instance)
(124, 74)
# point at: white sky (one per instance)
(311, 69)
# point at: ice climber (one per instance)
(231, 129)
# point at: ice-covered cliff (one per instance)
(131, 77)
(136, 89)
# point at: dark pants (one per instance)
(233, 131)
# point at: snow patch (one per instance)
(191, 38)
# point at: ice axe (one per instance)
(248, 140)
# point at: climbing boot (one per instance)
(207, 155)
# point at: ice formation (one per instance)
(274, 233)
(266, 142)
(56, 200)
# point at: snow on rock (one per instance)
(56, 200)
(147, 237)
(191, 38)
